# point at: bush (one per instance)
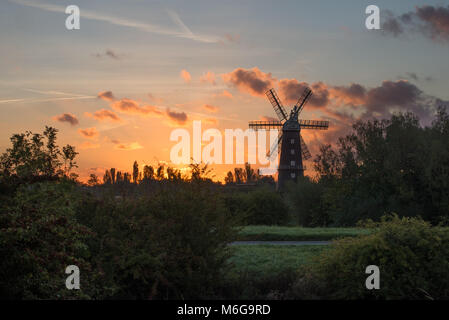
(264, 207)
(307, 202)
(413, 258)
(170, 244)
(39, 238)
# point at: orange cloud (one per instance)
(103, 115)
(208, 77)
(252, 81)
(211, 108)
(185, 75)
(88, 132)
(132, 107)
(128, 146)
(226, 94)
(212, 121)
(67, 117)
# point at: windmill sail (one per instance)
(305, 150)
(276, 145)
(307, 93)
(276, 103)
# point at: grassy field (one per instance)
(259, 271)
(267, 259)
(276, 233)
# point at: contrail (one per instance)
(145, 27)
(46, 100)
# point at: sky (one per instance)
(137, 69)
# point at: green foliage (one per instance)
(308, 203)
(385, 166)
(39, 238)
(35, 155)
(262, 206)
(413, 258)
(171, 244)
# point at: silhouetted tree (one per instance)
(160, 172)
(113, 175)
(135, 172)
(238, 175)
(93, 180)
(37, 155)
(148, 172)
(249, 173)
(229, 178)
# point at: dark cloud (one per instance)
(106, 95)
(88, 132)
(177, 117)
(291, 89)
(108, 54)
(132, 107)
(398, 95)
(67, 117)
(392, 24)
(252, 81)
(433, 22)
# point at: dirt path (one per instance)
(279, 243)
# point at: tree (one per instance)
(238, 175)
(107, 178)
(249, 173)
(135, 172)
(93, 180)
(113, 175)
(69, 155)
(229, 178)
(148, 173)
(160, 172)
(199, 171)
(35, 155)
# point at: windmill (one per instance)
(290, 142)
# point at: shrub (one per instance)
(413, 258)
(170, 244)
(265, 207)
(307, 201)
(39, 238)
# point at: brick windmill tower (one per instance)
(290, 142)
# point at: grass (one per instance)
(277, 233)
(260, 271)
(270, 259)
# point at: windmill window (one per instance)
(292, 151)
(293, 175)
(292, 163)
(292, 141)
